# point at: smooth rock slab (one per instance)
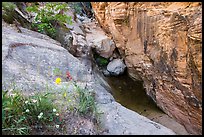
(122, 121)
(29, 58)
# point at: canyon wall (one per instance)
(161, 44)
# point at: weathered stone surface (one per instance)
(74, 35)
(97, 39)
(161, 45)
(71, 36)
(65, 37)
(122, 121)
(116, 67)
(106, 72)
(106, 48)
(28, 59)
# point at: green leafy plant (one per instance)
(8, 11)
(77, 9)
(44, 111)
(9, 6)
(101, 61)
(86, 101)
(48, 16)
(23, 115)
(57, 72)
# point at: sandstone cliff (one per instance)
(161, 45)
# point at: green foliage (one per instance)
(21, 114)
(57, 72)
(76, 7)
(30, 114)
(8, 11)
(48, 16)
(9, 6)
(86, 101)
(101, 61)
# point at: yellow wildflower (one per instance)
(65, 94)
(58, 80)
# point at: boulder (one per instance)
(106, 48)
(98, 40)
(116, 67)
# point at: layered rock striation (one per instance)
(161, 45)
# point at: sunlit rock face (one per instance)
(161, 45)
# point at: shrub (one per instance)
(48, 16)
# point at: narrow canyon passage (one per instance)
(130, 93)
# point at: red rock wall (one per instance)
(161, 45)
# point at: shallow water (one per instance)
(132, 95)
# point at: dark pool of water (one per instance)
(131, 94)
